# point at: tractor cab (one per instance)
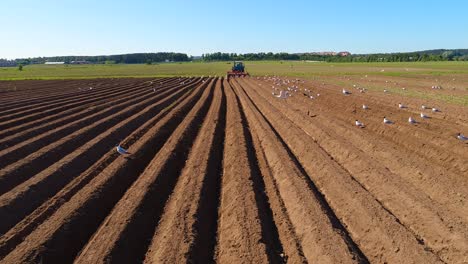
(237, 70)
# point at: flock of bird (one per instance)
(284, 88)
(292, 86)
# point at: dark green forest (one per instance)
(429, 55)
(134, 58)
(150, 58)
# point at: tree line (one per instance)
(435, 55)
(135, 58)
(149, 58)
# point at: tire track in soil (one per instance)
(331, 229)
(127, 231)
(82, 215)
(15, 235)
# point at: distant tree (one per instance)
(20, 67)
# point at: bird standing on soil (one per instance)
(365, 107)
(461, 137)
(435, 110)
(411, 120)
(387, 121)
(401, 106)
(359, 124)
(346, 92)
(424, 116)
(282, 95)
(424, 107)
(123, 152)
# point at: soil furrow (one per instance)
(25, 227)
(81, 216)
(126, 233)
(351, 203)
(26, 197)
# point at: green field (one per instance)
(302, 69)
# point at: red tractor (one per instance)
(238, 70)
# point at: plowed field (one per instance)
(224, 171)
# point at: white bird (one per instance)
(123, 151)
(461, 137)
(385, 90)
(424, 107)
(282, 95)
(435, 110)
(346, 92)
(424, 116)
(411, 120)
(359, 124)
(387, 121)
(401, 106)
(365, 107)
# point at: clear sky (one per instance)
(30, 28)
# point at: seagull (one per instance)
(400, 105)
(387, 121)
(411, 120)
(385, 90)
(424, 107)
(424, 116)
(435, 110)
(282, 95)
(461, 137)
(123, 151)
(346, 92)
(359, 124)
(365, 107)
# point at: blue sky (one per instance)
(30, 28)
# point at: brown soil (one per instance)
(225, 172)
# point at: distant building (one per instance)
(7, 63)
(80, 62)
(344, 53)
(54, 62)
